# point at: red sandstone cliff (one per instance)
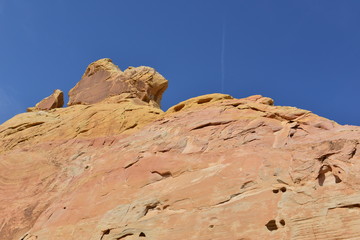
(114, 166)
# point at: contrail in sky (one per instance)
(223, 56)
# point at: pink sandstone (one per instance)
(212, 167)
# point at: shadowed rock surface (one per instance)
(212, 167)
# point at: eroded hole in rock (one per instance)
(321, 179)
(327, 177)
(211, 226)
(204, 100)
(322, 174)
(297, 180)
(282, 222)
(142, 234)
(271, 225)
(337, 179)
(292, 133)
(179, 107)
(150, 207)
(106, 232)
(275, 190)
(283, 189)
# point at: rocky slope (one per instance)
(114, 166)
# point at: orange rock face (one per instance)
(212, 167)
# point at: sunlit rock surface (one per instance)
(212, 167)
(103, 79)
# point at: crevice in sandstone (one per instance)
(353, 152)
(247, 184)
(105, 232)
(229, 199)
(163, 174)
(28, 236)
(324, 157)
(132, 163)
(125, 236)
(151, 207)
(131, 127)
(355, 205)
(83, 131)
(23, 238)
(209, 124)
(256, 109)
(164, 150)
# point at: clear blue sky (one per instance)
(300, 53)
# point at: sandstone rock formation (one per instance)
(103, 79)
(55, 100)
(212, 167)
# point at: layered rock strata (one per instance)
(212, 167)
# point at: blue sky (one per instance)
(300, 53)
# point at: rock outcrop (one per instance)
(102, 79)
(55, 100)
(212, 167)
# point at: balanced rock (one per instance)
(55, 100)
(102, 79)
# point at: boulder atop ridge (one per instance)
(102, 79)
(55, 100)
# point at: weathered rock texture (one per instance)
(55, 100)
(102, 79)
(212, 167)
